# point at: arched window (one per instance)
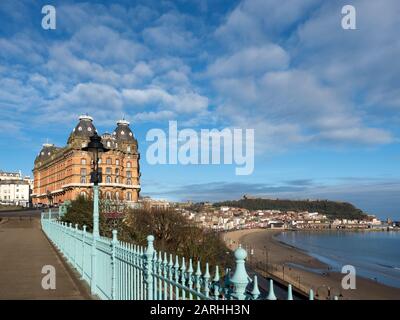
(117, 196)
(83, 194)
(129, 196)
(108, 144)
(117, 162)
(128, 164)
(83, 161)
(117, 172)
(128, 149)
(108, 195)
(129, 182)
(116, 179)
(108, 161)
(108, 179)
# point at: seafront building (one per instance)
(63, 173)
(230, 218)
(15, 189)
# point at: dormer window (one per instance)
(108, 144)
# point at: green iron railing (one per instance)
(116, 270)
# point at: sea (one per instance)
(374, 254)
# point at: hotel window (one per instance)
(129, 182)
(117, 196)
(128, 164)
(108, 144)
(117, 172)
(108, 161)
(129, 196)
(83, 161)
(128, 149)
(108, 179)
(83, 194)
(83, 175)
(108, 170)
(108, 195)
(117, 180)
(117, 162)
(129, 174)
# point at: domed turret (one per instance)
(123, 132)
(47, 151)
(83, 130)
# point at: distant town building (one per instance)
(15, 189)
(149, 203)
(63, 173)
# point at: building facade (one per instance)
(14, 189)
(63, 173)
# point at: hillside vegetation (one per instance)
(331, 209)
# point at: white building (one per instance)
(14, 190)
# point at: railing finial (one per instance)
(290, 293)
(311, 295)
(255, 292)
(271, 293)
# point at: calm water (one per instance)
(375, 255)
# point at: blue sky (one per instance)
(324, 102)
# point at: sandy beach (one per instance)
(276, 257)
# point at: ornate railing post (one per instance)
(216, 283)
(207, 277)
(93, 284)
(149, 255)
(75, 241)
(114, 243)
(183, 278)
(176, 275)
(83, 250)
(240, 278)
(227, 283)
(190, 279)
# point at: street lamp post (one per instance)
(95, 147)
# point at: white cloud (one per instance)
(251, 61)
(183, 101)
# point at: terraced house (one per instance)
(63, 173)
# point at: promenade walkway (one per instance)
(24, 250)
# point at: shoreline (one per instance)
(294, 265)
